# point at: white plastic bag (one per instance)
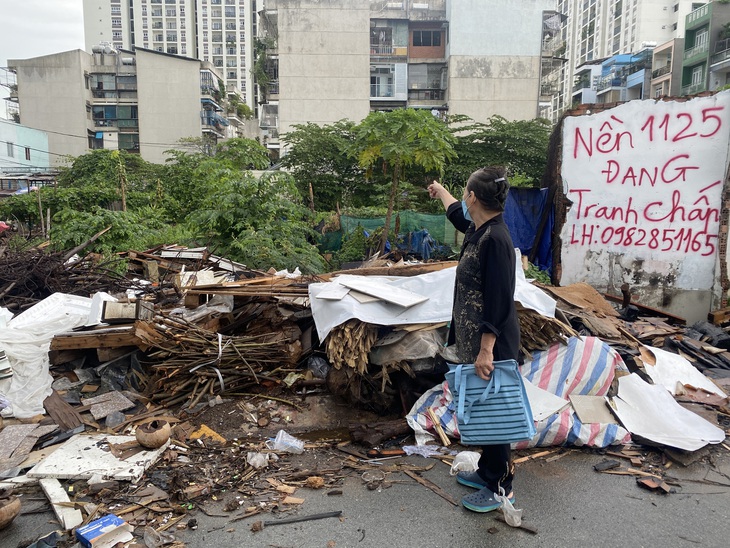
(512, 516)
(26, 340)
(466, 461)
(257, 460)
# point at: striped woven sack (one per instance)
(491, 412)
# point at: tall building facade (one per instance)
(595, 30)
(325, 60)
(217, 31)
(141, 101)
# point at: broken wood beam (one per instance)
(432, 486)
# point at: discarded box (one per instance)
(104, 532)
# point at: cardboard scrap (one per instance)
(592, 409)
(542, 402)
(105, 532)
(205, 432)
(650, 411)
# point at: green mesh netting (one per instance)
(438, 226)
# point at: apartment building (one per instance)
(706, 56)
(217, 31)
(141, 101)
(326, 60)
(596, 30)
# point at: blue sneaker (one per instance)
(471, 479)
(483, 501)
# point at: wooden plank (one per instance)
(432, 486)
(111, 338)
(63, 414)
(110, 354)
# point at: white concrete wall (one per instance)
(494, 57)
(19, 138)
(324, 61)
(654, 20)
(97, 23)
(52, 97)
(646, 203)
(168, 91)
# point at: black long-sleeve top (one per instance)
(484, 289)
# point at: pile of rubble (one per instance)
(94, 358)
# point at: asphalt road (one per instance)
(568, 503)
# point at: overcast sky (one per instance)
(29, 28)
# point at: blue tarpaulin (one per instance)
(522, 213)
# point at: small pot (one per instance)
(9, 509)
(154, 434)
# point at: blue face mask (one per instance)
(465, 210)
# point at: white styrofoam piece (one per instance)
(97, 306)
(651, 412)
(83, 456)
(57, 305)
(67, 517)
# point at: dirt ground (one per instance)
(318, 415)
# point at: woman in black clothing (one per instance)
(484, 326)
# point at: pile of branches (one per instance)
(189, 363)
(29, 276)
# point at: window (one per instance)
(427, 38)
(116, 35)
(27, 153)
(697, 75)
(701, 38)
(11, 150)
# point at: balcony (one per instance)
(698, 17)
(661, 71)
(696, 50)
(426, 95)
(582, 84)
(722, 51)
(607, 82)
(694, 88)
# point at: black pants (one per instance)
(496, 467)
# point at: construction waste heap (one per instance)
(134, 399)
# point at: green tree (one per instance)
(317, 158)
(397, 140)
(521, 146)
(260, 222)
